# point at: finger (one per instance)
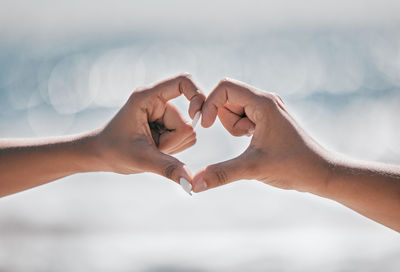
(184, 146)
(222, 173)
(189, 138)
(167, 166)
(170, 140)
(236, 124)
(196, 104)
(196, 119)
(181, 84)
(175, 121)
(234, 92)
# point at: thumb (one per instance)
(223, 173)
(167, 166)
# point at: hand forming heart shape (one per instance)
(280, 152)
(148, 128)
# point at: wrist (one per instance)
(315, 175)
(89, 154)
(327, 170)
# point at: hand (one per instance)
(280, 154)
(148, 127)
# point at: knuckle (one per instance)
(162, 96)
(138, 93)
(275, 98)
(225, 82)
(200, 97)
(260, 112)
(133, 96)
(278, 100)
(217, 174)
(265, 105)
(169, 170)
(274, 95)
(267, 99)
(184, 77)
(184, 81)
(139, 90)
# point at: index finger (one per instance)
(234, 92)
(177, 85)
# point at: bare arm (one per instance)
(28, 163)
(137, 139)
(282, 154)
(371, 189)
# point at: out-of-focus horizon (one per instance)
(66, 67)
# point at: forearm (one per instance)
(28, 163)
(371, 189)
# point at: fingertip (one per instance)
(196, 103)
(185, 172)
(208, 118)
(199, 184)
(196, 119)
(186, 185)
(194, 107)
(186, 180)
(250, 132)
(205, 124)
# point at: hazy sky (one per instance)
(67, 66)
(61, 19)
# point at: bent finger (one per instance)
(232, 91)
(183, 146)
(237, 125)
(179, 128)
(177, 85)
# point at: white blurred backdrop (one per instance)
(66, 67)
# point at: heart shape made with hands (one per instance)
(233, 116)
(159, 131)
(149, 129)
(278, 149)
(167, 130)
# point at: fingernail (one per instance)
(186, 186)
(196, 119)
(200, 186)
(187, 170)
(250, 132)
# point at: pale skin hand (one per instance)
(283, 155)
(138, 139)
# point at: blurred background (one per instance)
(67, 66)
